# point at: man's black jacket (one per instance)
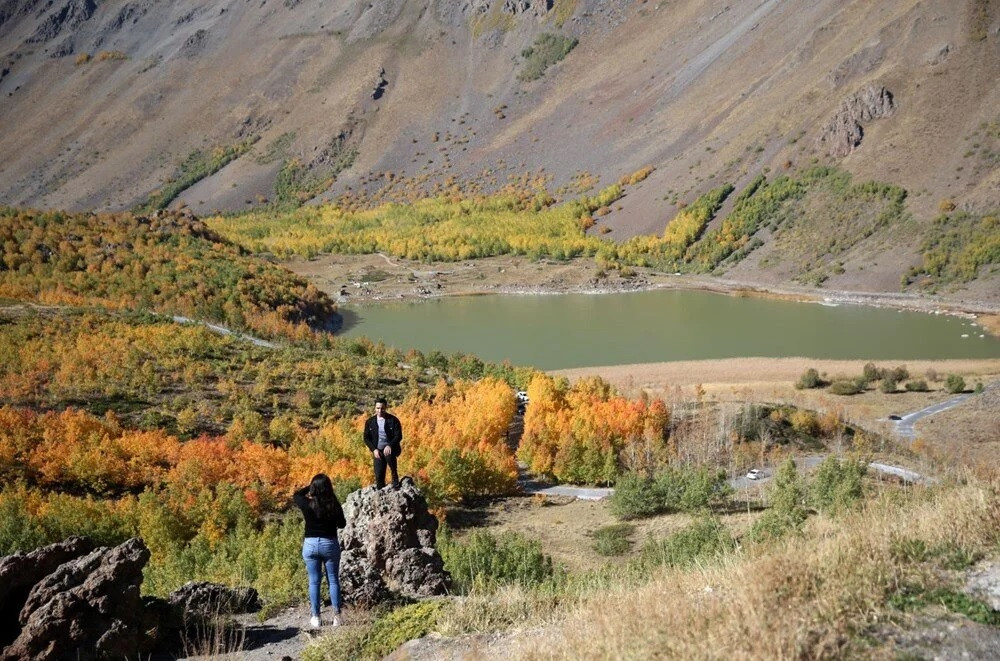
(393, 432)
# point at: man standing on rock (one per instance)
(383, 435)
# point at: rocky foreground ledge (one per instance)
(72, 600)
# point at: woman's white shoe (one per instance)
(314, 622)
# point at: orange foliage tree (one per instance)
(586, 433)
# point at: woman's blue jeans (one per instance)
(320, 552)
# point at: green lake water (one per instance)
(580, 330)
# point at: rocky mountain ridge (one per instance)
(110, 102)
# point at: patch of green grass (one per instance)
(382, 637)
(276, 149)
(947, 555)
(916, 597)
(705, 538)
(613, 540)
(563, 10)
(547, 50)
(198, 165)
(494, 19)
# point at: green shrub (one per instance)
(954, 383)
(837, 485)
(786, 513)
(887, 386)
(634, 497)
(705, 538)
(810, 379)
(19, 531)
(846, 387)
(547, 50)
(916, 385)
(614, 539)
(673, 489)
(484, 561)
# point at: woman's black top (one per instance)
(315, 526)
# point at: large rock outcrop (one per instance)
(843, 133)
(388, 546)
(21, 571)
(88, 607)
(211, 599)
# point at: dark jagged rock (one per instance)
(380, 84)
(87, 608)
(388, 546)
(194, 44)
(538, 7)
(12, 9)
(21, 571)
(211, 599)
(843, 133)
(69, 16)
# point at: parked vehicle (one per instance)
(754, 474)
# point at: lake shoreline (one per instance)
(361, 280)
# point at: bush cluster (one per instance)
(613, 540)
(167, 263)
(547, 50)
(673, 489)
(702, 540)
(484, 561)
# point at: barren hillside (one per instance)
(107, 102)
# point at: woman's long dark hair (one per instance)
(323, 501)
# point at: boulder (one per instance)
(21, 571)
(210, 599)
(88, 607)
(388, 546)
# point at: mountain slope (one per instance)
(334, 95)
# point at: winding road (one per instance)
(904, 426)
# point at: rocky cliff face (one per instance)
(843, 134)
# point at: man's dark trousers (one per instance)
(380, 463)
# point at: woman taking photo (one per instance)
(323, 515)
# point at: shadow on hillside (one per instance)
(341, 321)
(473, 514)
(261, 635)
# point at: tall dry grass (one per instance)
(809, 596)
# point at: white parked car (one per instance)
(754, 474)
